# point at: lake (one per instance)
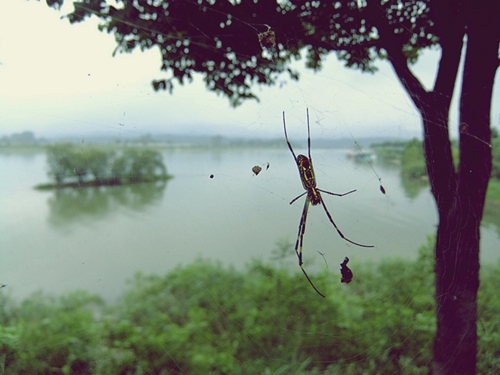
(97, 238)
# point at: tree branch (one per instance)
(419, 95)
(450, 26)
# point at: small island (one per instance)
(70, 166)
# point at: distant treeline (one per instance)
(69, 165)
(26, 138)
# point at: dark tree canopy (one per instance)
(222, 39)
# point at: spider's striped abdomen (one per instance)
(306, 172)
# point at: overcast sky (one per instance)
(57, 78)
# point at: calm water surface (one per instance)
(96, 239)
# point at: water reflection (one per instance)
(27, 154)
(412, 186)
(69, 207)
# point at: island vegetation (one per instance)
(70, 166)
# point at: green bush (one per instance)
(49, 336)
(206, 318)
(413, 160)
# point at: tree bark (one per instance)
(458, 235)
(459, 195)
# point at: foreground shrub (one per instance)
(206, 318)
(44, 335)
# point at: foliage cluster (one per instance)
(205, 318)
(223, 40)
(94, 166)
(413, 160)
(389, 150)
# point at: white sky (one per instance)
(60, 78)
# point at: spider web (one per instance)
(215, 209)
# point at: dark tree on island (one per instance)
(237, 44)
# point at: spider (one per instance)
(313, 196)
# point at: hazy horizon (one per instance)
(78, 88)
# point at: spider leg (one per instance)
(300, 239)
(310, 282)
(336, 194)
(308, 136)
(294, 199)
(337, 228)
(302, 230)
(286, 138)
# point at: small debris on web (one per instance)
(267, 39)
(256, 170)
(345, 272)
(365, 157)
(211, 176)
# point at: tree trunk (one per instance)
(458, 235)
(459, 195)
(457, 282)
